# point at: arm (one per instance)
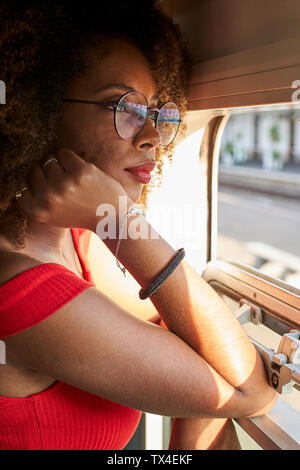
(193, 433)
(205, 366)
(111, 281)
(194, 312)
(203, 434)
(93, 344)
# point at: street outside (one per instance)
(250, 223)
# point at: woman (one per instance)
(80, 369)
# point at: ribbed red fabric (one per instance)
(62, 417)
(81, 240)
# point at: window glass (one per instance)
(259, 192)
(174, 209)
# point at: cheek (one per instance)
(84, 137)
(74, 135)
(111, 155)
(97, 144)
(104, 151)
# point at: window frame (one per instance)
(279, 429)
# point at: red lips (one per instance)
(148, 166)
(142, 172)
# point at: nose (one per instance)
(148, 138)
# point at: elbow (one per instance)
(266, 406)
(259, 402)
(259, 396)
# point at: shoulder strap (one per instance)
(81, 239)
(35, 294)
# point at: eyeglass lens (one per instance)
(131, 114)
(168, 123)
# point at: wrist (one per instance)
(123, 207)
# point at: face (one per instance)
(89, 130)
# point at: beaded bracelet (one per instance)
(167, 271)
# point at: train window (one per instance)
(237, 269)
(259, 191)
(174, 207)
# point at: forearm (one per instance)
(191, 308)
(203, 434)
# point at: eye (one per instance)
(109, 105)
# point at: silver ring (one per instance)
(52, 159)
(19, 193)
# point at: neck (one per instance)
(43, 242)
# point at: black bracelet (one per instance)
(167, 271)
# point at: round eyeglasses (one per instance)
(131, 112)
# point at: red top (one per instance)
(62, 417)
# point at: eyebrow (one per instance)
(121, 86)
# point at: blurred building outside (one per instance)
(260, 152)
(268, 140)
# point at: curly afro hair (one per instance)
(40, 45)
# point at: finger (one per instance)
(33, 200)
(53, 170)
(37, 181)
(19, 193)
(24, 200)
(70, 161)
(50, 161)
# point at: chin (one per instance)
(134, 191)
(134, 194)
(135, 198)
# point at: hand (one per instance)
(67, 193)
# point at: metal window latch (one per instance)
(248, 313)
(282, 367)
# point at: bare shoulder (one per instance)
(12, 264)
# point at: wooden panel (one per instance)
(246, 52)
(257, 77)
(243, 100)
(216, 28)
(272, 57)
